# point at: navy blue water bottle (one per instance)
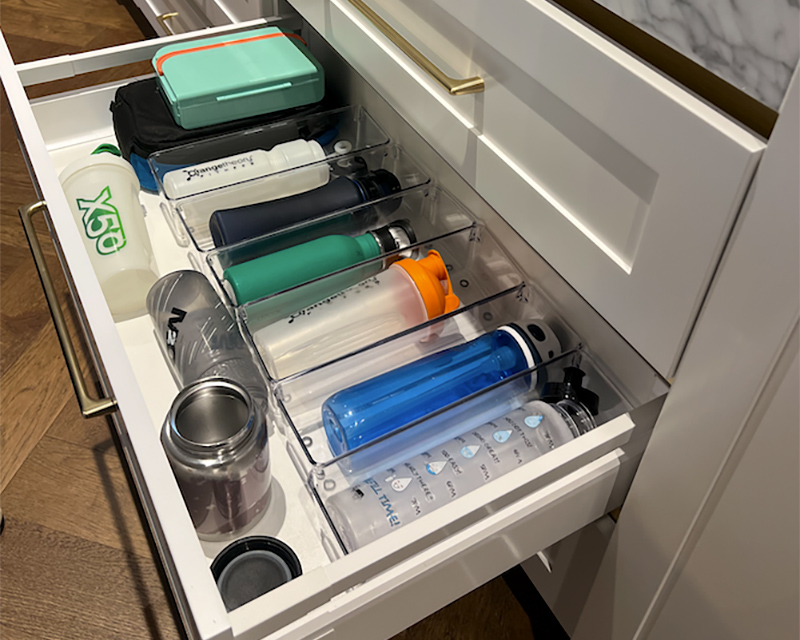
(366, 411)
(253, 220)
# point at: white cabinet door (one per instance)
(624, 182)
(714, 406)
(741, 579)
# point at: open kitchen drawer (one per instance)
(389, 584)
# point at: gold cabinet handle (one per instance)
(162, 20)
(454, 86)
(90, 407)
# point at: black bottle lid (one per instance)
(571, 388)
(378, 184)
(250, 567)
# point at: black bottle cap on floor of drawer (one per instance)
(571, 387)
(252, 566)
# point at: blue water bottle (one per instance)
(366, 411)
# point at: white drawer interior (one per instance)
(142, 382)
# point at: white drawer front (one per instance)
(624, 182)
(498, 526)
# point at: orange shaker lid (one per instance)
(428, 274)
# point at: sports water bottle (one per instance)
(405, 295)
(199, 337)
(251, 221)
(361, 413)
(386, 501)
(194, 179)
(275, 272)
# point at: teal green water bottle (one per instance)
(305, 262)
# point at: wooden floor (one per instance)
(74, 558)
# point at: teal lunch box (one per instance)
(235, 76)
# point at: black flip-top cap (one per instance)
(251, 567)
(571, 388)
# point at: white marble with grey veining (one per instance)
(753, 44)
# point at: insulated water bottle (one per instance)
(385, 502)
(194, 179)
(361, 413)
(103, 195)
(250, 221)
(199, 337)
(405, 295)
(302, 263)
(215, 437)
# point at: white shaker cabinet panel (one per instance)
(627, 184)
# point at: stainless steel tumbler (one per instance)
(215, 437)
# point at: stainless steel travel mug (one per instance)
(215, 437)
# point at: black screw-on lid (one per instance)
(250, 567)
(379, 184)
(571, 387)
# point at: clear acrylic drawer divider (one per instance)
(352, 125)
(478, 268)
(383, 454)
(194, 212)
(432, 213)
(297, 400)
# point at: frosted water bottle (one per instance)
(302, 263)
(405, 295)
(250, 221)
(103, 195)
(198, 335)
(364, 412)
(403, 493)
(191, 180)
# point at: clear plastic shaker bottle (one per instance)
(386, 501)
(198, 335)
(102, 191)
(405, 295)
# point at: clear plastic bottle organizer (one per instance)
(296, 401)
(430, 211)
(338, 132)
(194, 212)
(440, 458)
(478, 269)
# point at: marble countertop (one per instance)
(753, 44)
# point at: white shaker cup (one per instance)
(405, 295)
(102, 191)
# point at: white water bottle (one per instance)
(253, 164)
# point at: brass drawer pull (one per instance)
(162, 20)
(454, 86)
(90, 407)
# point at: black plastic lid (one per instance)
(571, 388)
(379, 184)
(251, 567)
